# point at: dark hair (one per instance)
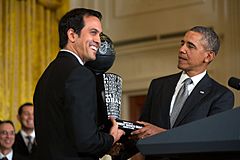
(20, 109)
(7, 121)
(211, 37)
(74, 19)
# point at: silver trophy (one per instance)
(109, 88)
(112, 94)
(112, 97)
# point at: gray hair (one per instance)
(212, 39)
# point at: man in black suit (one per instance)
(206, 97)
(25, 144)
(7, 137)
(65, 99)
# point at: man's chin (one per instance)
(93, 58)
(181, 66)
(29, 126)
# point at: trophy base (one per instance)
(128, 126)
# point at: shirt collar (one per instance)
(78, 58)
(24, 134)
(183, 77)
(195, 79)
(9, 155)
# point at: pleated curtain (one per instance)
(28, 42)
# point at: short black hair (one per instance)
(210, 36)
(20, 109)
(74, 19)
(7, 121)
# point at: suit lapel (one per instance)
(22, 143)
(199, 92)
(166, 95)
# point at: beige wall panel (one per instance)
(140, 63)
(140, 18)
(130, 19)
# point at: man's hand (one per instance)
(114, 131)
(116, 148)
(147, 130)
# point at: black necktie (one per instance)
(29, 143)
(4, 158)
(179, 101)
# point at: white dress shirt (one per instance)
(190, 87)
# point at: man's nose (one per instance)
(97, 39)
(182, 49)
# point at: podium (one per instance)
(214, 137)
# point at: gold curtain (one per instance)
(28, 42)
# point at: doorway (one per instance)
(135, 109)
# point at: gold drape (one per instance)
(28, 42)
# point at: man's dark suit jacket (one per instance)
(65, 108)
(207, 98)
(17, 156)
(20, 147)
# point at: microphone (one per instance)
(234, 83)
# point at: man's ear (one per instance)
(71, 35)
(210, 57)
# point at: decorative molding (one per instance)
(151, 38)
(125, 8)
(148, 46)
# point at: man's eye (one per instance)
(93, 32)
(191, 46)
(182, 43)
(7, 133)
